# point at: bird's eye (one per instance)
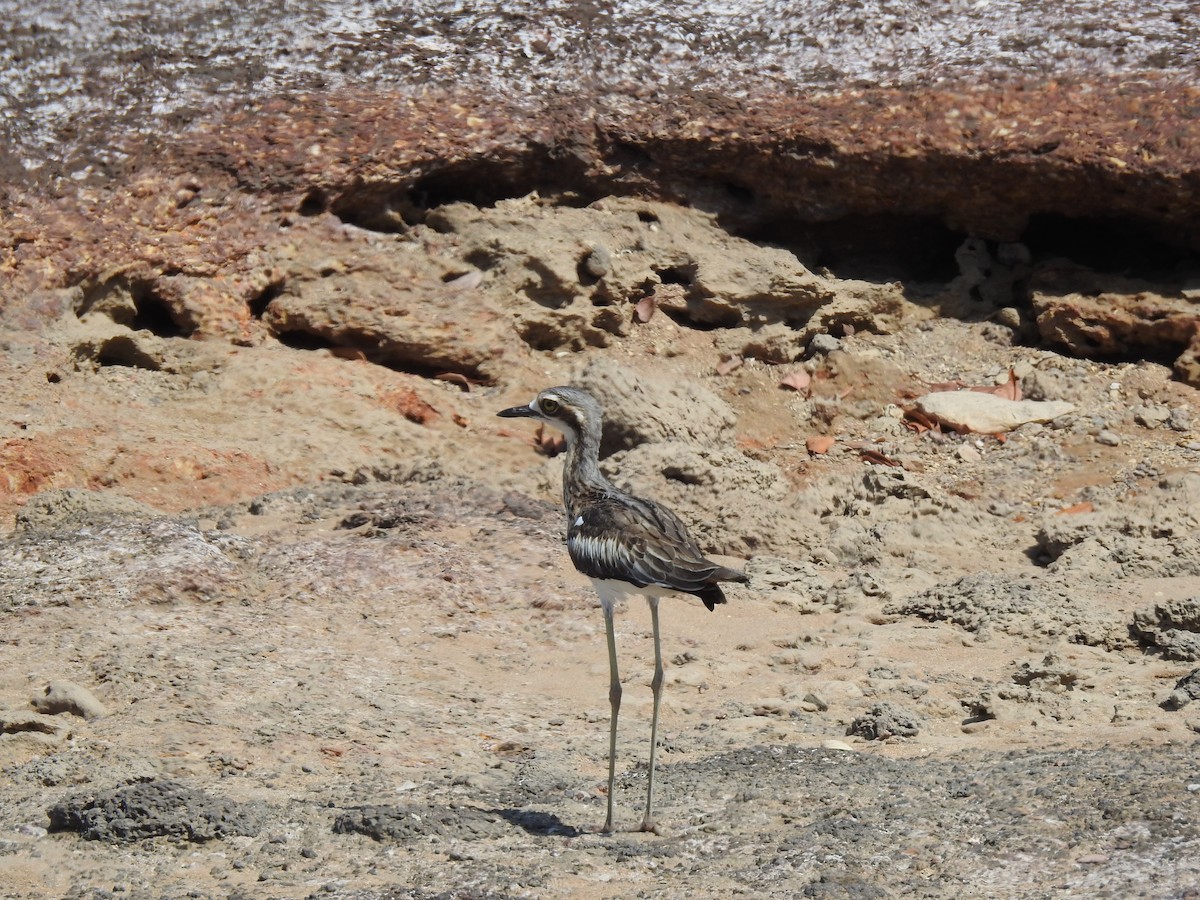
(549, 405)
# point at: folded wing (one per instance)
(638, 541)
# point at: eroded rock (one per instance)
(1172, 627)
(66, 696)
(1107, 317)
(157, 808)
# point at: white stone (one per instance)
(974, 411)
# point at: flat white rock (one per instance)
(836, 745)
(986, 413)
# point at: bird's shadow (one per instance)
(535, 822)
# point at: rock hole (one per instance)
(393, 206)
(366, 348)
(314, 203)
(259, 302)
(686, 320)
(742, 196)
(134, 304)
(152, 313)
(123, 350)
(385, 207)
(683, 476)
(1112, 245)
(304, 340)
(878, 248)
(684, 275)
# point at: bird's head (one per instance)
(572, 411)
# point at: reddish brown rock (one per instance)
(194, 234)
(1118, 318)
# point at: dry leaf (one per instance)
(549, 443)
(348, 353)
(1010, 390)
(644, 311)
(874, 456)
(1084, 507)
(799, 381)
(942, 386)
(820, 443)
(456, 378)
(728, 365)
(920, 422)
(411, 406)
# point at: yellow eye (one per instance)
(549, 405)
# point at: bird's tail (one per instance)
(712, 593)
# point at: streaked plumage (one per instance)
(625, 544)
(626, 538)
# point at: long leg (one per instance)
(614, 699)
(648, 823)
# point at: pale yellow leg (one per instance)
(648, 823)
(614, 699)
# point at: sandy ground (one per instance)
(343, 653)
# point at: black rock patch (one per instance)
(159, 808)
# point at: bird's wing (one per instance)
(638, 541)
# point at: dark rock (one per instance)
(884, 720)
(1172, 627)
(1186, 690)
(150, 809)
(414, 823)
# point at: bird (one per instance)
(626, 545)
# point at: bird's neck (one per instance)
(582, 479)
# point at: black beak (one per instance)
(515, 411)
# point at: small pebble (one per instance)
(1009, 316)
(1180, 419)
(1093, 859)
(1151, 416)
(967, 453)
(817, 701)
(822, 344)
(598, 262)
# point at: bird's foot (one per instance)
(606, 828)
(651, 826)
